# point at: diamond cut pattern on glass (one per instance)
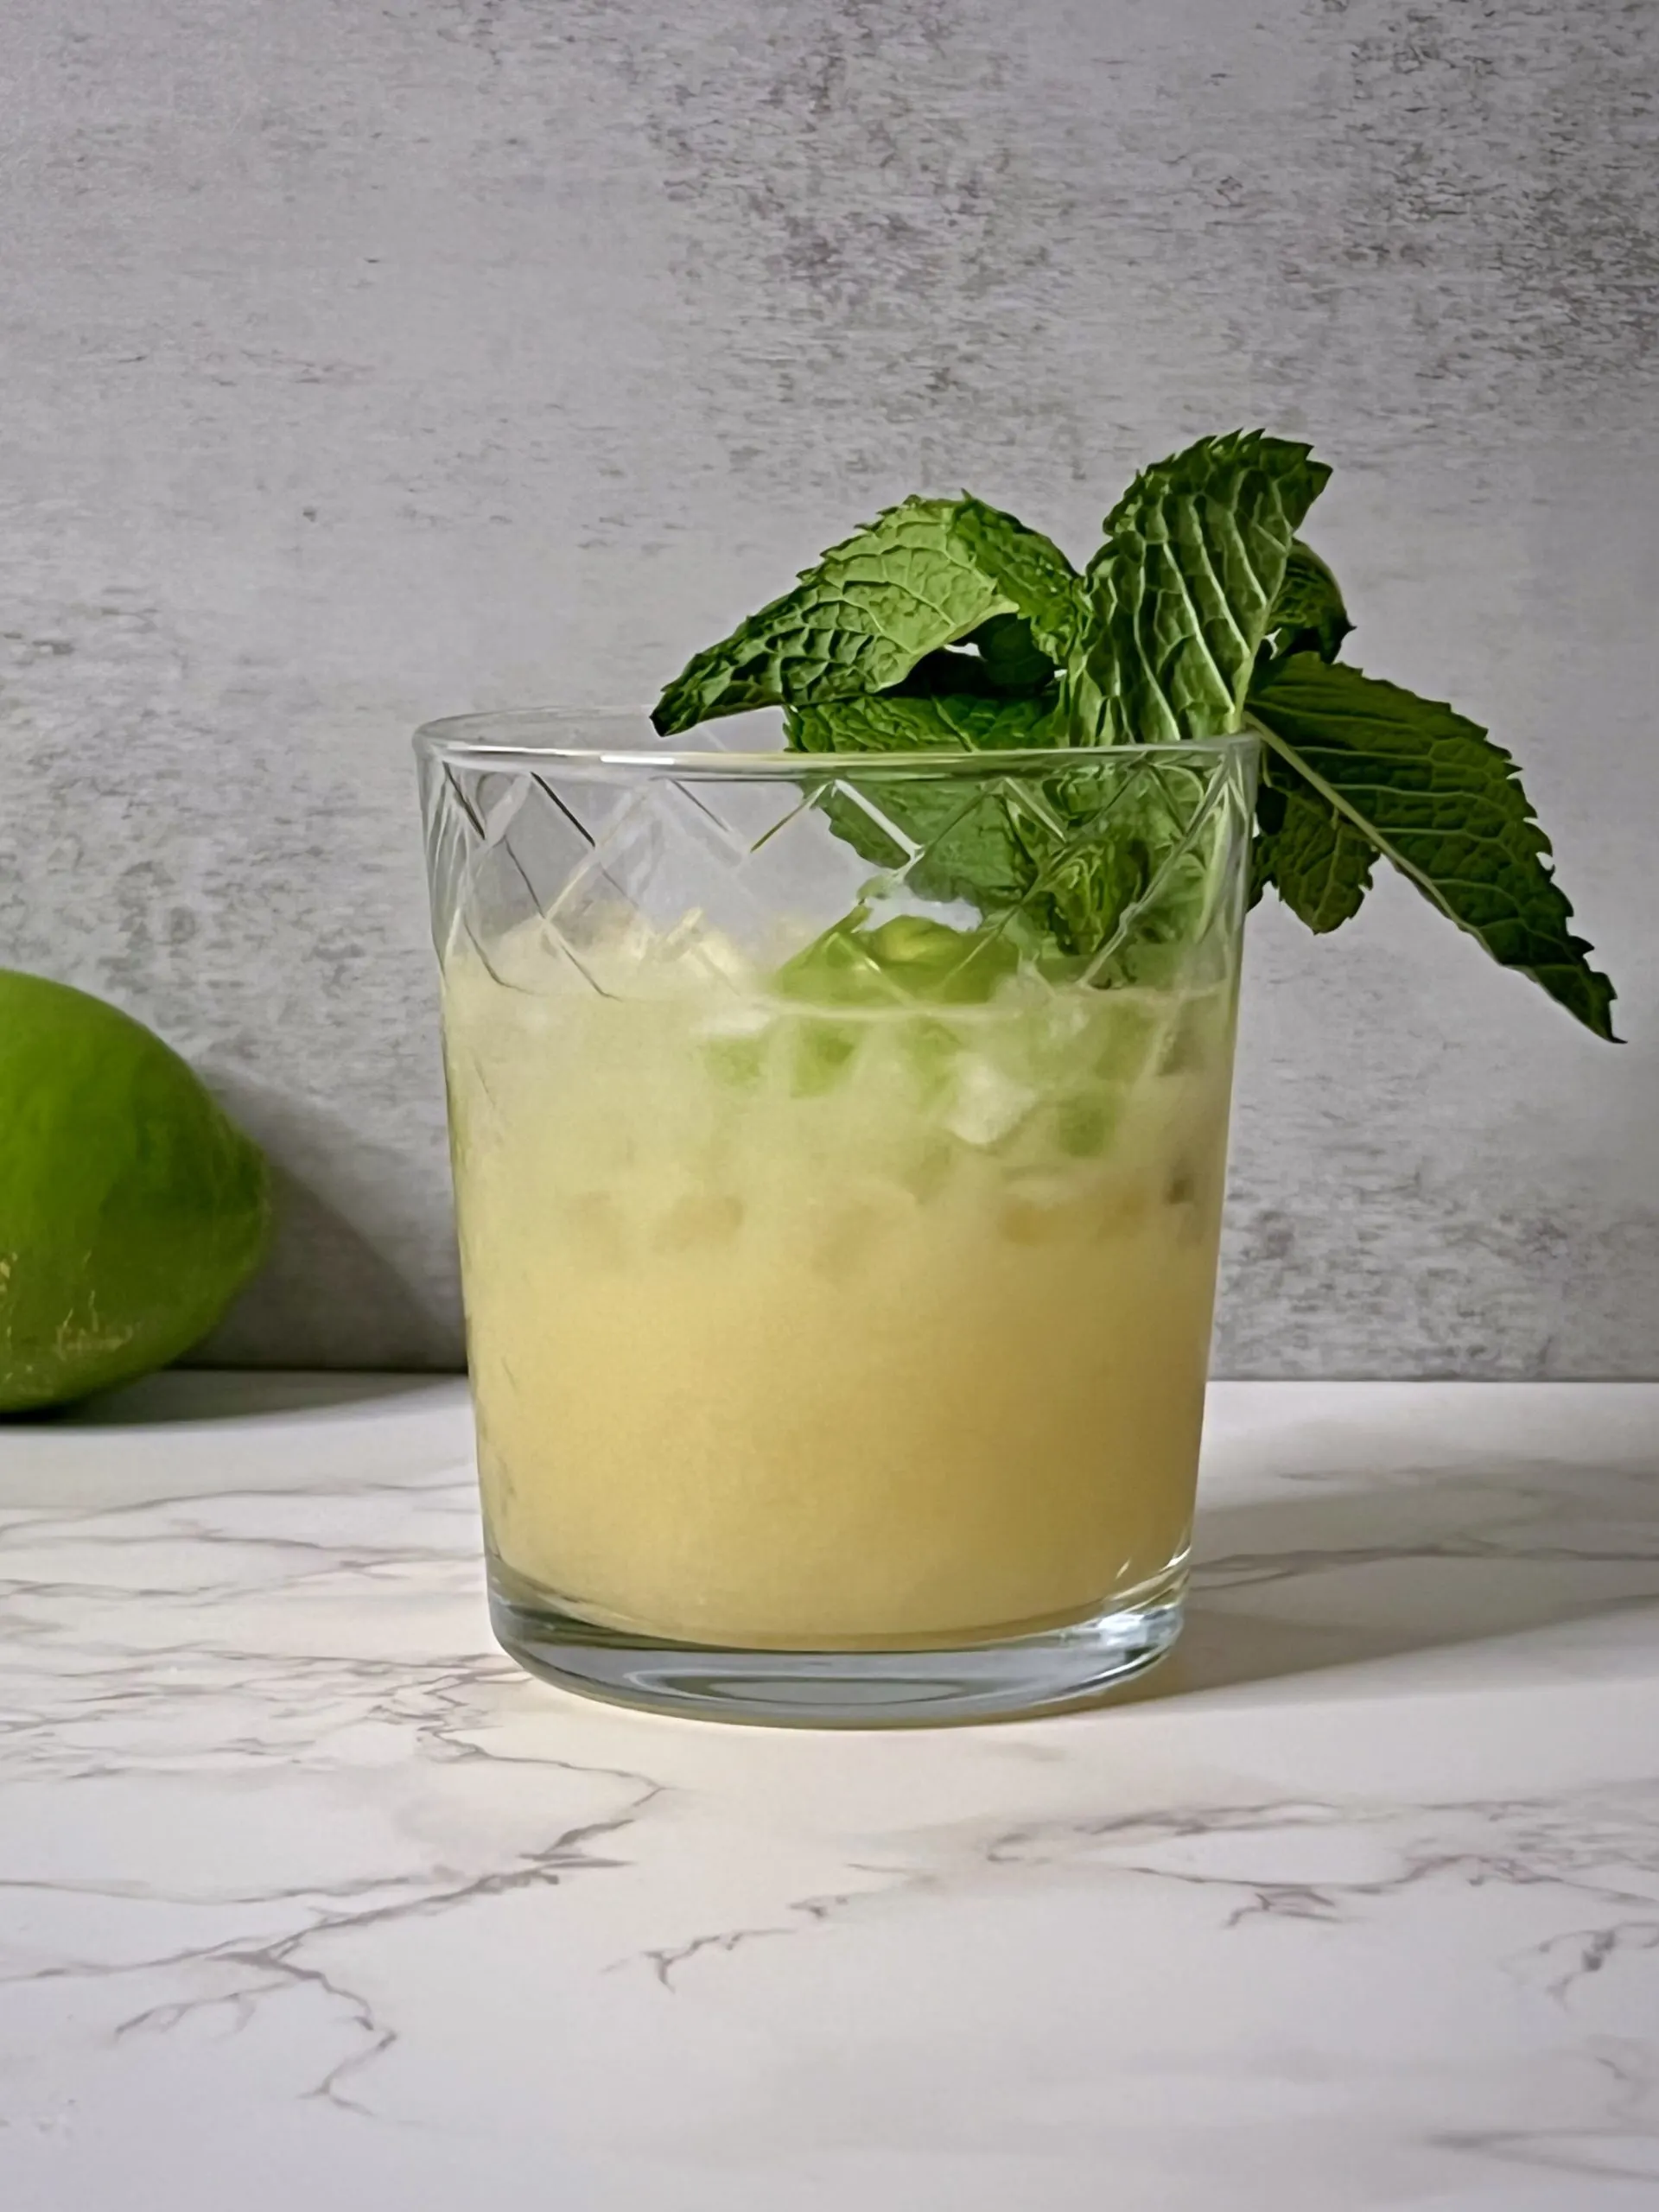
(1089, 857)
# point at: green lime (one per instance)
(131, 1208)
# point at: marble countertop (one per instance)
(310, 1901)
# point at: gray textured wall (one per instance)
(367, 362)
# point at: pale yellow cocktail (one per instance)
(833, 1328)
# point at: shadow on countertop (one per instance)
(1430, 1559)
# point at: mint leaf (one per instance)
(946, 674)
(1003, 663)
(1011, 657)
(1119, 857)
(1318, 861)
(1183, 590)
(1308, 615)
(905, 722)
(955, 841)
(1429, 789)
(1037, 581)
(962, 830)
(921, 577)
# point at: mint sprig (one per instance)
(949, 624)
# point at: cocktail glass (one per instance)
(838, 1147)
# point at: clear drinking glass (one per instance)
(838, 1146)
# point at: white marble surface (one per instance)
(309, 1901)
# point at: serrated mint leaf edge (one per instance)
(1336, 799)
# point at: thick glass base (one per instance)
(1015, 1678)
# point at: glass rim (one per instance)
(487, 740)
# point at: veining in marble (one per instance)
(307, 1896)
